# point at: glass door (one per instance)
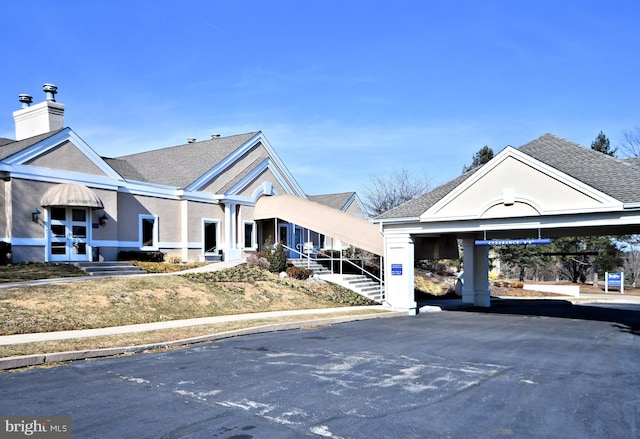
(68, 231)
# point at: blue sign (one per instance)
(614, 279)
(396, 269)
(535, 241)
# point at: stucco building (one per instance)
(60, 200)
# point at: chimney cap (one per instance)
(50, 91)
(25, 99)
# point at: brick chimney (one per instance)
(47, 116)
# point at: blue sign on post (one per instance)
(614, 280)
(396, 269)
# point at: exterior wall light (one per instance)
(103, 219)
(34, 215)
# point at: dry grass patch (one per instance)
(124, 301)
(161, 336)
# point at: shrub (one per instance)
(135, 255)
(173, 258)
(239, 273)
(300, 273)
(277, 258)
(519, 285)
(258, 261)
(422, 285)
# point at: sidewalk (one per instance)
(58, 357)
(170, 324)
(205, 268)
(586, 298)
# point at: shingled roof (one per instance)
(10, 147)
(416, 207)
(618, 178)
(336, 201)
(179, 165)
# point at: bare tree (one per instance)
(631, 144)
(386, 192)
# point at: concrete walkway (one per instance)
(214, 266)
(170, 324)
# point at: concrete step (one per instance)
(358, 283)
(109, 268)
(312, 265)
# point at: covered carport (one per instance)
(548, 188)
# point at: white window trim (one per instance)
(206, 221)
(142, 217)
(254, 240)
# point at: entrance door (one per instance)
(68, 232)
(298, 241)
(210, 237)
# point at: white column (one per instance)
(399, 273)
(184, 206)
(476, 274)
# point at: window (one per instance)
(148, 232)
(210, 236)
(59, 213)
(249, 229)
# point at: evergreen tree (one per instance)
(577, 261)
(479, 158)
(277, 258)
(603, 145)
(522, 257)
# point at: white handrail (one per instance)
(331, 259)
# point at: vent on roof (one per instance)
(26, 100)
(45, 117)
(215, 136)
(191, 139)
(50, 91)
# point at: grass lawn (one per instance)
(121, 301)
(37, 270)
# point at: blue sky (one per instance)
(343, 90)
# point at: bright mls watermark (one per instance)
(40, 427)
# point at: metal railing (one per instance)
(307, 252)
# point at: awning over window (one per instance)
(71, 194)
(322, 219)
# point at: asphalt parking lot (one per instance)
(556, 370)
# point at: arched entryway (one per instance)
(69, 211)
(548, 188)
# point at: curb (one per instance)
(62, 357)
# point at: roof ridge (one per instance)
(166, 148)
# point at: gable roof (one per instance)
(178, 165)
(607, 174)
(414, 208)
(618, 178)
(7, 149)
